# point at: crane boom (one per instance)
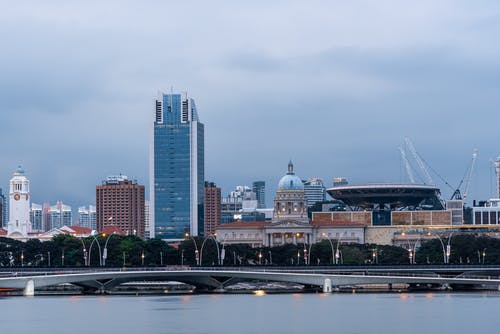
(419, 161)
(471, 171)
(407, 165)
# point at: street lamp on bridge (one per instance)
(196, 252)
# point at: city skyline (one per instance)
(343, 95)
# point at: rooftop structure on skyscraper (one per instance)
(177, 173)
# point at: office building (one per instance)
(487, 214)
(120, 203)
(212, 216)
(259, 188)
(176, 168)
(87, 217)
(60, 215)
(314, 190)
(36, 217)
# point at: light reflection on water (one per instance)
(266, 313)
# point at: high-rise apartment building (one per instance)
(177, 173)
(36, 217)
(212, 208)
(87, 217)
(120, 202)
(259, 188)
(314, 191)
(60, 215)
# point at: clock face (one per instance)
(17, 197)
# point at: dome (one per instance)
(19, 170)
(290, 181)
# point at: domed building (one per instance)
(290, 223)
(290, 203)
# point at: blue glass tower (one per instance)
(177, 168)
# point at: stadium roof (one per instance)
(393, 195)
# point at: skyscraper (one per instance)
(120, 202)
(177, 168)
(212, 208)
(259, 188)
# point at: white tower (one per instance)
(19, 205)
(497, 172)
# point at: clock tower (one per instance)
(19, 205)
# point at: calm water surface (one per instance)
(389, 313)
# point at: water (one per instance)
(388, 313)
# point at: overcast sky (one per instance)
(333, 85)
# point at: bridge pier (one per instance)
(327, 285)
(29, 289)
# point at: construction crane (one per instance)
(407, 165)
(421, 165)
(467, 179)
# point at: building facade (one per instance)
(120, 202)
(212, 208)
(87, 217)
(177, 173)
(36, 217)
(259, 188)
(314, 190)
(489, 214)
(60, 215)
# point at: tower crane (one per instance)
(467, 179)
(421, 165)
(407, 165)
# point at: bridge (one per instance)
(219, 278)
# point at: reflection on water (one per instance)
(255, 313)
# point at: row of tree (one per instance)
(120, 251)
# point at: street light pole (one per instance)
(196, 252)
(331, 246)
(442, 246)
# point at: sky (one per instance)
(335, 86)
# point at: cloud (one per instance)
(335, 86)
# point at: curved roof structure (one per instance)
(393, 195)
(290, 181)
